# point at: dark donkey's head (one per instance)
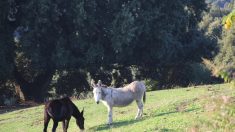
(79, 118)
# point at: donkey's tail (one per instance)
(144, 97)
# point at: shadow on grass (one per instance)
(133, 121)
(166, 130)
(4, 109)
(116, 124)
(172, 112)
(7, 109)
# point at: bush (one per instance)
(151, 85)
(7, 96)
(200, 74)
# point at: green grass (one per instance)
(164, 111)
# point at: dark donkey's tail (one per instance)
(144, 97)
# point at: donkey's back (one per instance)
(136, 87)
(124, 96)
(59, 109)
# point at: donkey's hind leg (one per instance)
(65, 124)
(140, 109)
(46, 121)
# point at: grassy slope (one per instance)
(166, 110)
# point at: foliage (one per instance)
(102, 39)
(6, 48)
(229, 20)
(226, 72)
(201, 74)
(70, 83)
(227, 75)
(7, 93)
(151, 85)
(226, 55)
(222, 65)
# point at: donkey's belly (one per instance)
(59, 114)
(60, 117)
(122, 102)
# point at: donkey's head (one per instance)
(80, 120)
(97, 90)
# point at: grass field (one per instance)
(164, 111)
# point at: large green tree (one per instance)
(101, 38)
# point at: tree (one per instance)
(6, 43)
(7, 25)
(223, 62)
(103, 39)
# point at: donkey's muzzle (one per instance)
(97, 102)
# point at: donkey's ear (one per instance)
(93, 83)
(99, 83)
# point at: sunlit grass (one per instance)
(165, 110)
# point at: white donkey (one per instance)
(119, 97)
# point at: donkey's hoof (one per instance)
(137, 118)
(110, 124)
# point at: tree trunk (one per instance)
(35, 90)
(19, 92)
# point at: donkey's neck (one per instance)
(76, 112)
(103, 93)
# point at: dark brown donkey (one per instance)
(62, 110)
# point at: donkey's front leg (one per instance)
(110, 115)
(54, 126)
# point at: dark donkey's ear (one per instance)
(82, 111)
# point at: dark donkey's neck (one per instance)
(76, 113)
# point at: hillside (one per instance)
(165, 110)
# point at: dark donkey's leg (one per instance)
(54, 126)
(66, 125)
(46, 121)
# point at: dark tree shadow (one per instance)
(7, 109)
